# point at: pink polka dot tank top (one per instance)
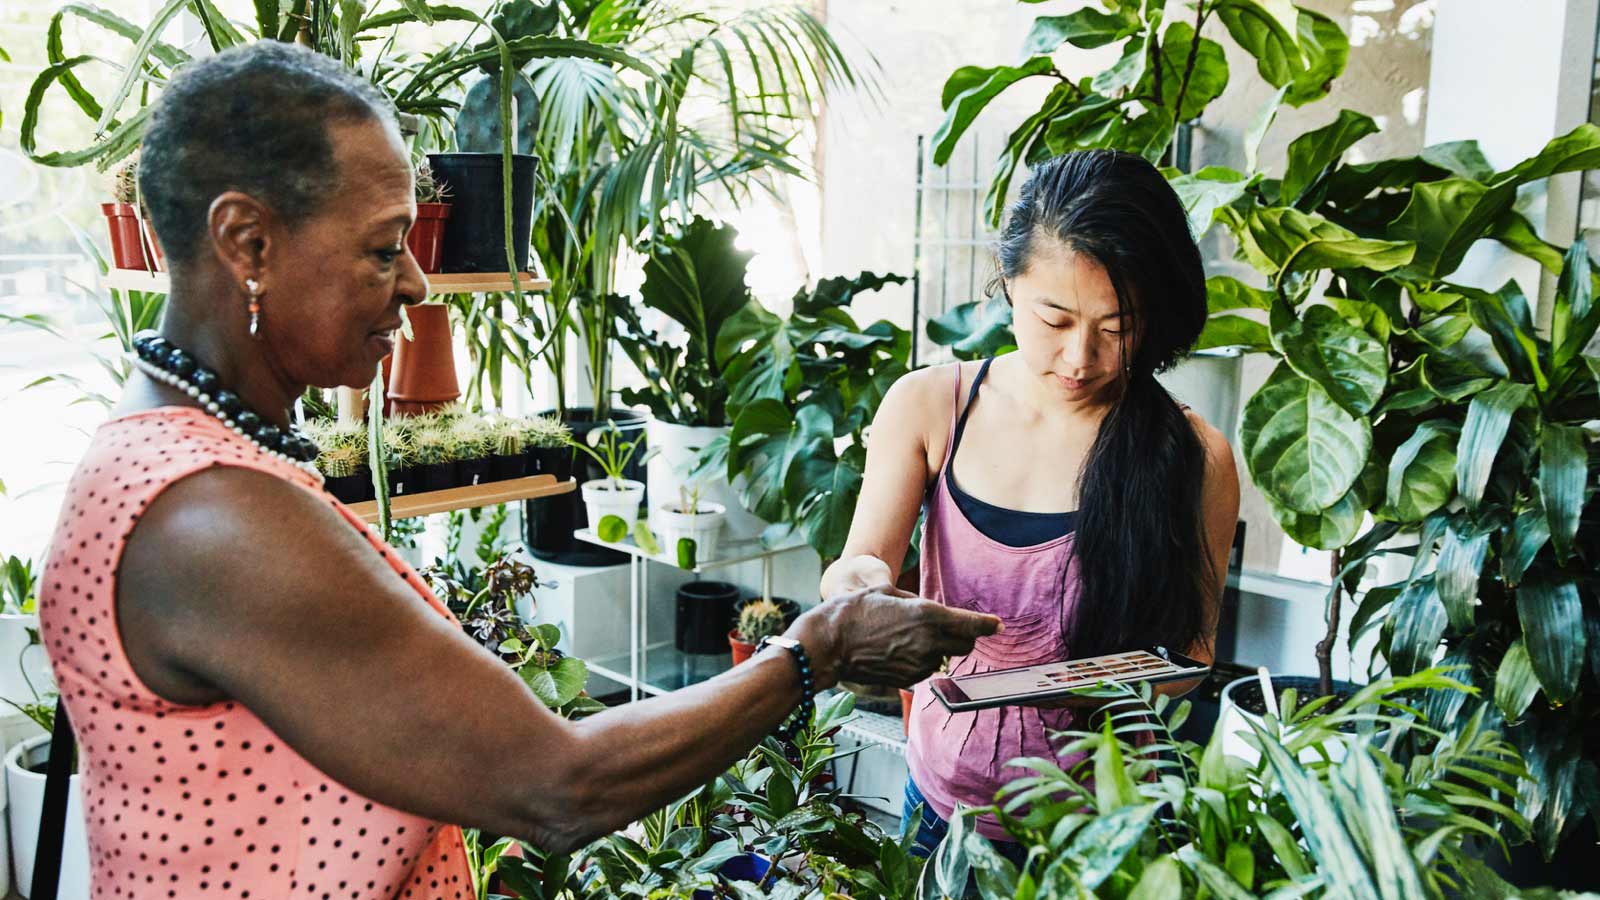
(187, 801)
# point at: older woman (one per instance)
(268, 701)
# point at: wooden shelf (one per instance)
(447, 283)
(407, 506)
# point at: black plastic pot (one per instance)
(437, 476)
(405, 481)
(548, 522)
(705, 613)
(555, 461)
(351, 488)
(505, 468)
(472, 471)
(474, 238)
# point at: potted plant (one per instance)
(475, 177)
(614, 494)
(400, 459)
(547, 441)
(474, 440)
(690, 528)
(694, 276)
(509, 458)
(1137, 811)
(759, 619)
(435, 450)
(803, 450)
(550, 521)
(426, 237)
(133, 244)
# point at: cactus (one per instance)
(339, 462)
(429, 189)
(472, 437)
(434, 445)
(125, 186)
(508, 436)
(545, 431)
(478, 120)
(759, 619)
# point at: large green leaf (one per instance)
(1461, 559)
(1329, 529)
(1421, 476)
(1196, 71)
(1551, 614)
(1575, 151)
(1279, 240)
(1325, 834)
(1208, 190)
(1464, 158)
(1234, 331)
(1224, 293)
(1528, 534)
(1100, 846)
(1563, 476)
(975, 330)
(1267, 31)
(1162, 880)
(1315, 152)
(1515, 684)
(1130, 67)
(1350, 364)
(1087, 28)
(968, 91)
(1302, 448)
(1488, 420)
(826, 517)
(1505, 316)
(1368, 809)
(1419, 620)
(1023, 140)
(697, 276)
(1444, 219)
(1575, 317)
(1326, 50)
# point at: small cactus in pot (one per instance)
(759, 619)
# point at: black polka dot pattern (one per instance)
(204, 802)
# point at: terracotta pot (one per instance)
(424, 369)
(427, 235)
(741, 650)
(132, 247)
(905, 709)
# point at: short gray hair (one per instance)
(252, 119)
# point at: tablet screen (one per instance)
(1134, 665)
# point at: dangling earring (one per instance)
(254, 288)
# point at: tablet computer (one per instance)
(1053, 680)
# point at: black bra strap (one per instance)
(972, 397)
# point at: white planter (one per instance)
(22, 662)
(676, 448)
(704, 528)
(25, 792)
(1234, 722)
(602, 498)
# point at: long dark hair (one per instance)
(1146, 576)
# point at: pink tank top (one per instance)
(205, 801)
(962, 757)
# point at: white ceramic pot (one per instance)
(677, 447)
(603, 497)
(22, 662)
(1234, 722)
(704, 528)
(25, 790)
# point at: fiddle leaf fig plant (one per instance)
(1409, 412)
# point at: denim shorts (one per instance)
(931, 828)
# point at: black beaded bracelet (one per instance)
(808, 690)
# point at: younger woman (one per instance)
(1065, 491)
